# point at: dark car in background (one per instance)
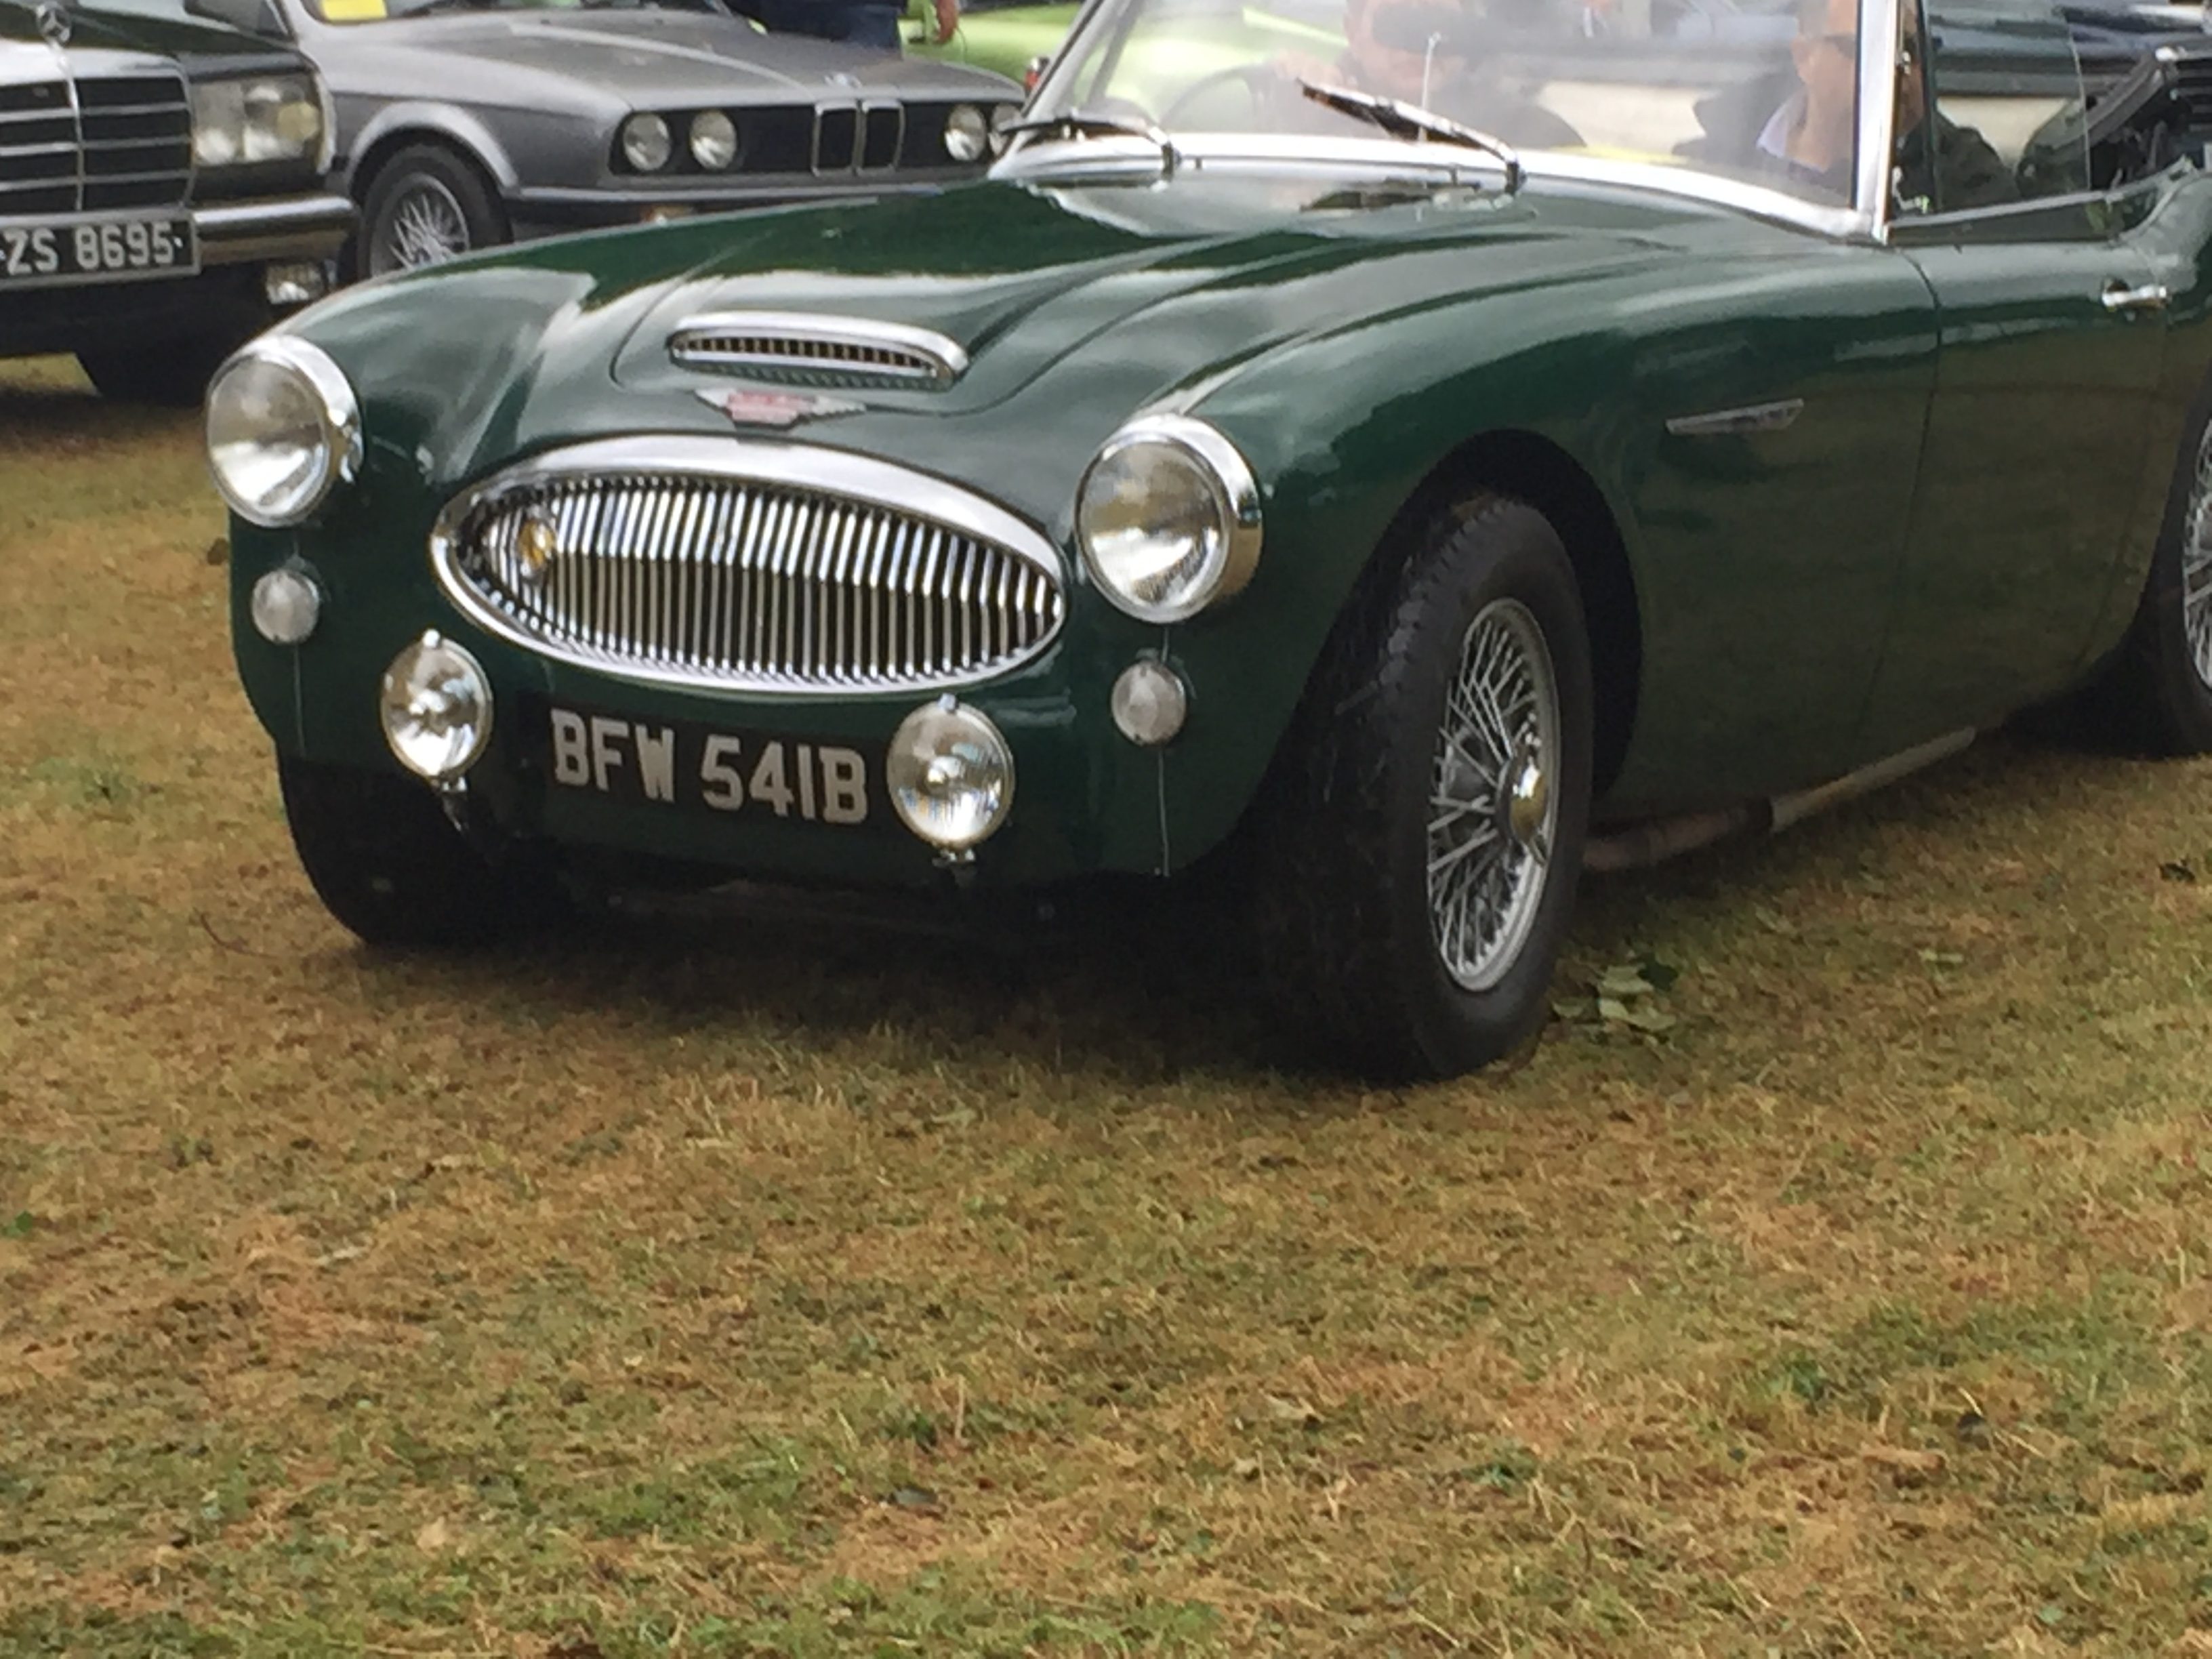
(161, 194)
(464, 123)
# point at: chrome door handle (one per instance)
(2151, 296)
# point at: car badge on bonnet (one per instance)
(777, 408)
(54, 23)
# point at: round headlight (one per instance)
(713, 140)
(950, 775)
(436, 707)
(645, 143)
(1168, 518)
(282, 427)
(1001, 117)
(966, 134)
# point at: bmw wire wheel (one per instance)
(1494, 812)
(424, 226)
(424, 205)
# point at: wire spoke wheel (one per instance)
(424, 223)
(1493, 799)
(2196, 567)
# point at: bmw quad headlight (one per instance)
(1168, 518)
(269, 118)
(282, 427)
(645, 143)
(967, 135)
(713, 140)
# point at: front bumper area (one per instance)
(226, 300)
(293, 227)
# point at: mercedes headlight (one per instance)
(1168, 518)
(282, 427)
(269, 118)
(713, 140)
(645, 144)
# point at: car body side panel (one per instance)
(2042, 411)
(1764, 548)
(2169, 224)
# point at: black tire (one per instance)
(171, 374)
(1344, 908)
(386, 862)
(2155, 694)
(417, 188)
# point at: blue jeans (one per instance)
(869, 24)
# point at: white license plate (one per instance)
(114, 248)
(752, 777)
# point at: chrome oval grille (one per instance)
(784, 346)
(737, 566)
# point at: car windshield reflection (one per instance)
(1762, 92)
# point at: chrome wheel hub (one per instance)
(1493, 812)
(425, 225)
(2197, 566)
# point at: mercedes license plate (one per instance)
(112, 249)
(745, 776)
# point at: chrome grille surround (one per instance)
(111, 130)
(735, 565)
(820, 351)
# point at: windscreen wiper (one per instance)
(1079, 123)
(1409, 121)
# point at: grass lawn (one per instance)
(747, 1281)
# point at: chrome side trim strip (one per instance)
(1777, 417)
(816, 344)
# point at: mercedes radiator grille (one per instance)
(778, 569)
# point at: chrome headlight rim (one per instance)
(337, 408)
(1236, 552)
(649, 132)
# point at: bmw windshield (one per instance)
(1754, 92)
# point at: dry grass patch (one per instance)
(725, 1283)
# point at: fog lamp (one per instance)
(293, 284)
(436, 707)
(1150, 703)
(286, 605)
(950, 775)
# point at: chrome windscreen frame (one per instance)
(1055, 159)
(678, 456)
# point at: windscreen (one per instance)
(1750, 89)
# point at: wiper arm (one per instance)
(1084, 123)
(1409, 121)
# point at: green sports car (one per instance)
(1412, 466)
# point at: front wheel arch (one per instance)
(1531, 468)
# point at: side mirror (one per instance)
(258, 17)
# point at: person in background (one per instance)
(1803, 123)
(857, 22)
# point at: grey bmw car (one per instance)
(463, 124)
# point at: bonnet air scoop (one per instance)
(803, 348)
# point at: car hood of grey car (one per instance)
(622, 56)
